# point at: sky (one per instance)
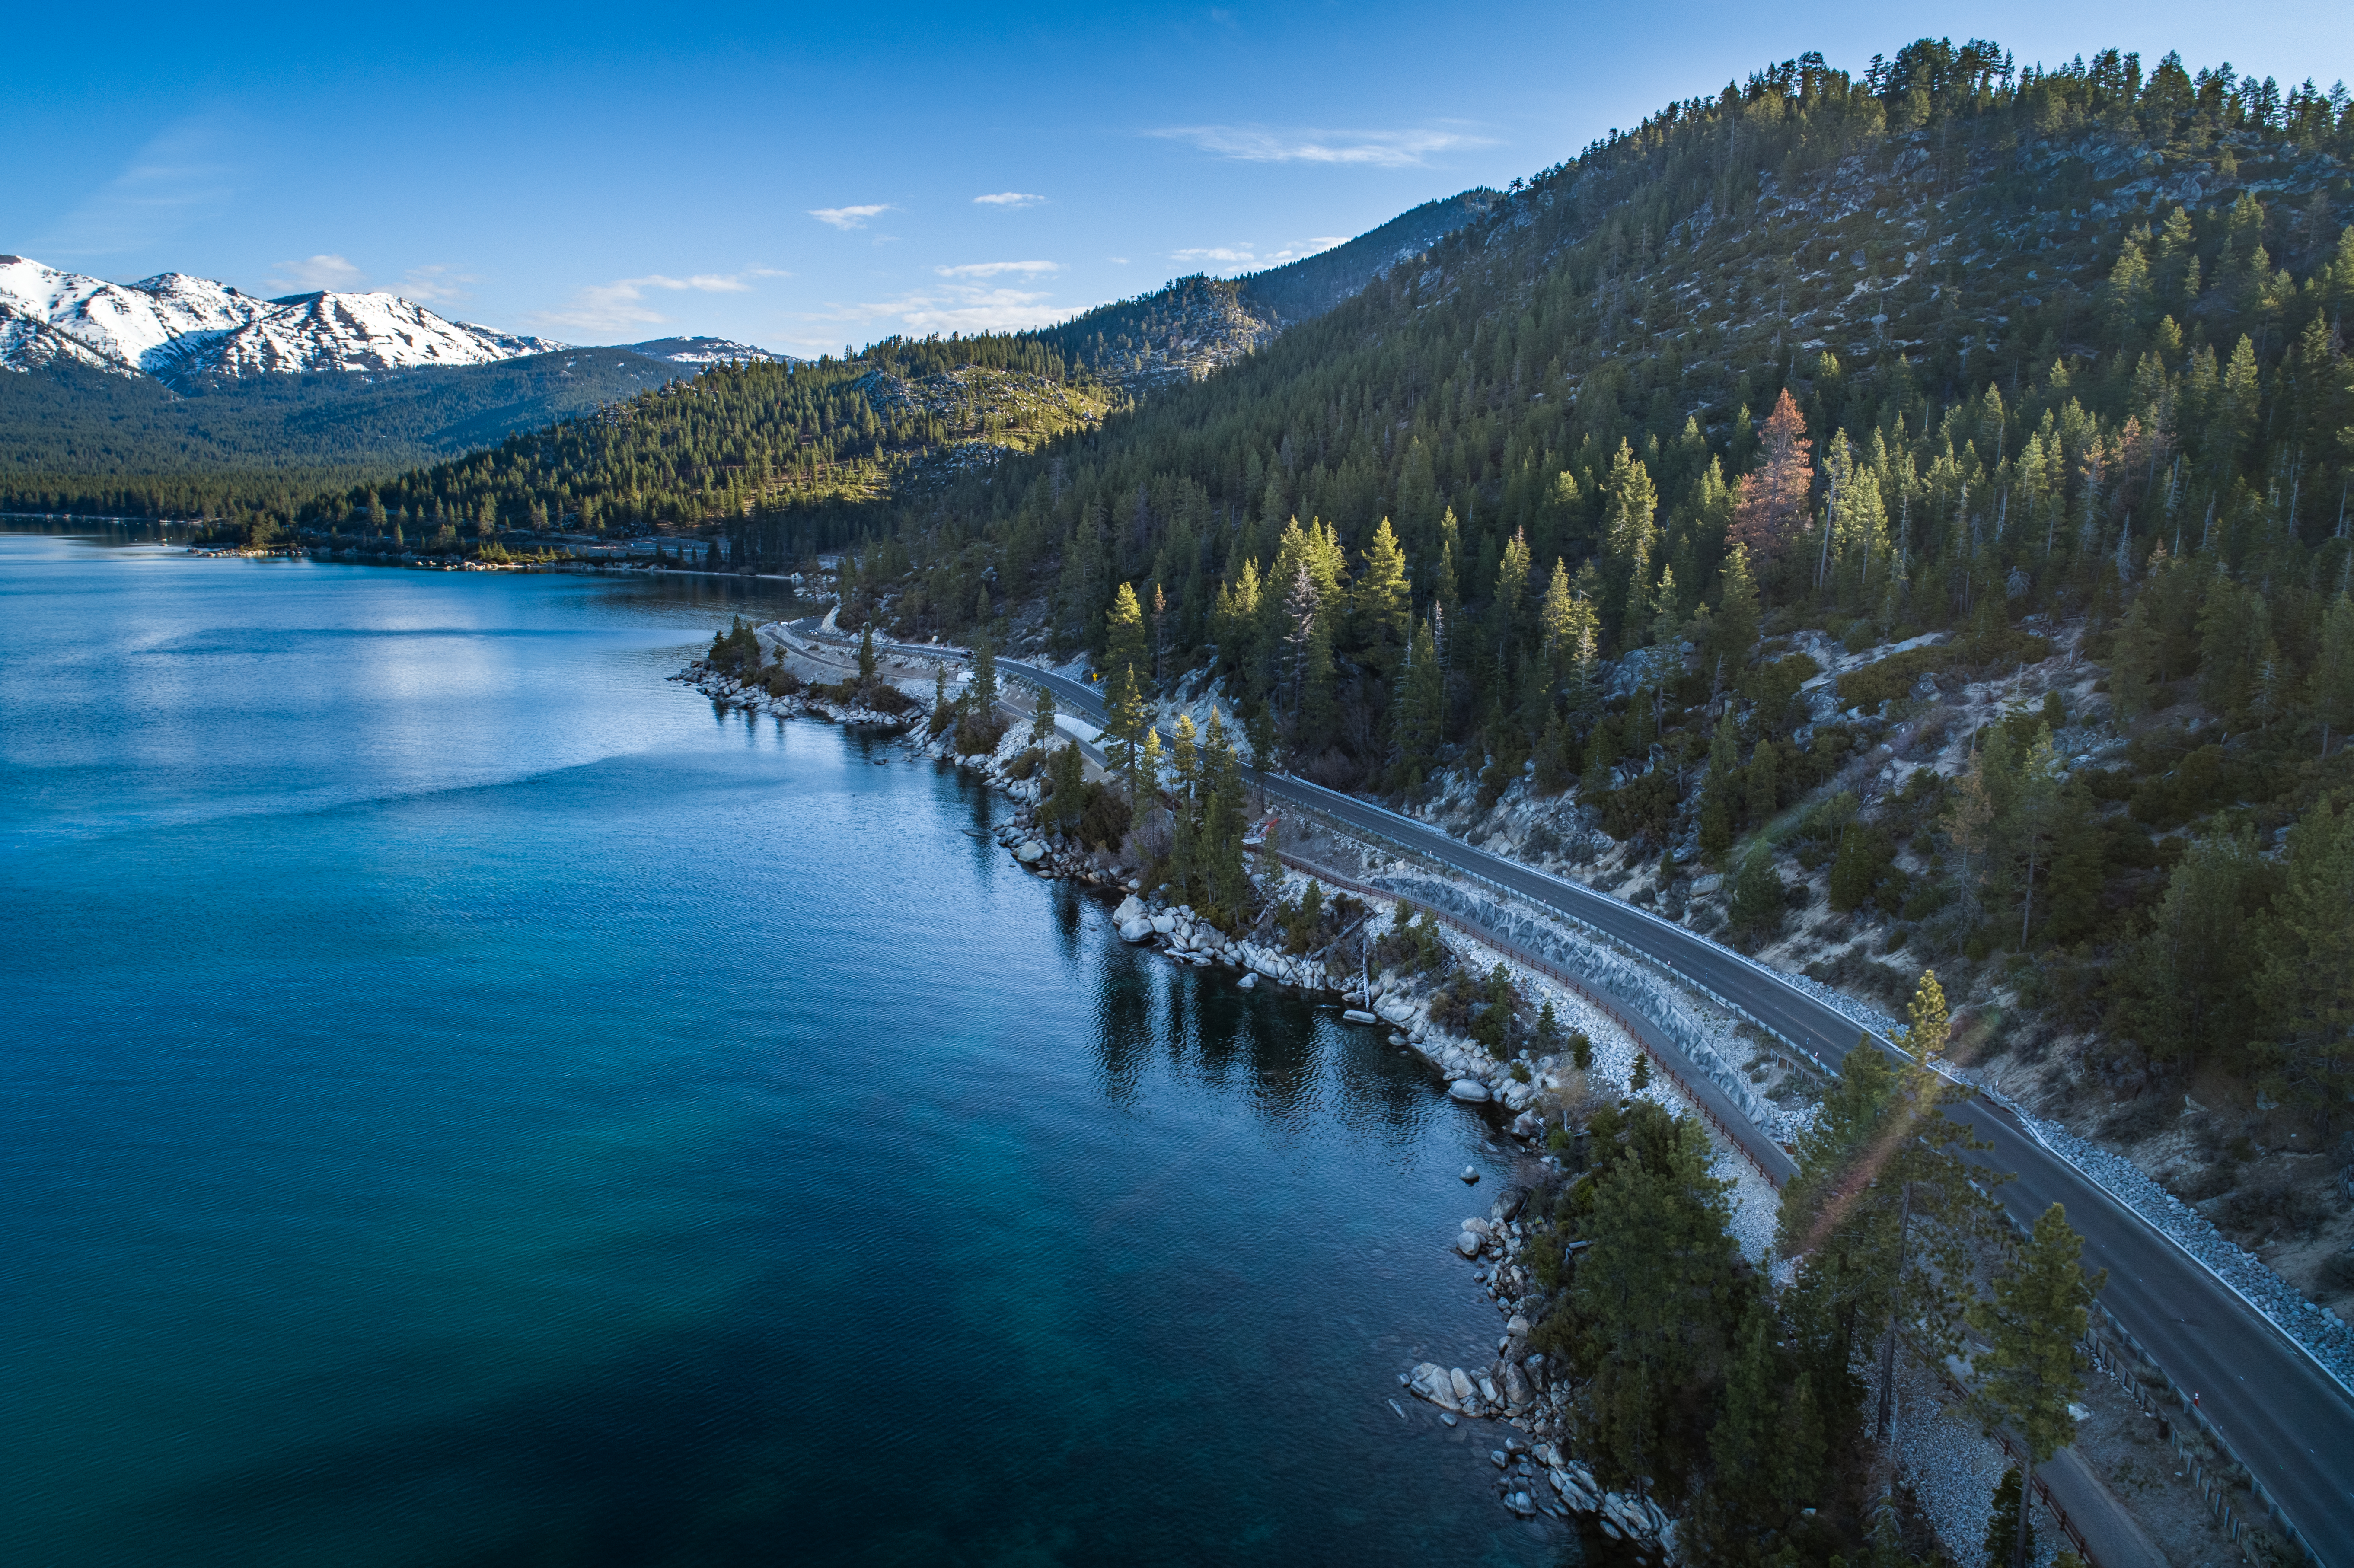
(809, 179)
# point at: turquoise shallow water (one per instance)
(464, 1101)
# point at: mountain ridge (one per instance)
(180, 329)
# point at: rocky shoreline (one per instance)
(1516, 1390)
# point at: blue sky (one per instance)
(806, 178)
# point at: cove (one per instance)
(464, 1101)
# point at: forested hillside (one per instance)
(1199, 324)
(78, 440)
(782, 457)
(1712, 502)
(2042, 367)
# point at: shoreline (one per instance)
(1520, 1101)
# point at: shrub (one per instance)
(1891, 679)
(1758, 897)
(1646, 807)
(736, 649)
(2138, 1119)
(1104, 822)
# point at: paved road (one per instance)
(2289, 1421)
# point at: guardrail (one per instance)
(1521, 955)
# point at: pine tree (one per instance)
(982, 691)
(866, 655)
(1760, 785)
(1224, 816)
(1717, 790)
(1927, 1024)
(2331, 688)
(1127, 723)
(2033, 1321)
(1124, 644)
(2307, 983)
(2005, 1528)
(2134, 658)
(1042, 719)
(1733, 632)
(1778, 497)
(1655, 1300)
(1884, 1218)
(1381, 603)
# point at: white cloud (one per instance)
(436, 285)
(848, 217)
(1227, 254)
(603, 307)
(1117, 260)
(1008, 199)
(956, 307)
(1248, 258)
(993, 269)
(317, 273)
(1267, 145)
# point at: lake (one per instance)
(466, 1101)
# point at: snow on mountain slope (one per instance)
(705, 350)
(27, 342)
(356, 332)
(176, 326)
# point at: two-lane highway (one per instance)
(2287, 1419)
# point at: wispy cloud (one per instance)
(1008, 198)
(317, 273)
(996, 268)
(188, 173)
(1232, 255)
(849, 216)
(605, 307)
(436, 285)
(956, 307)
(1271, 145)
(1245, 255)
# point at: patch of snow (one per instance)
(172, 323)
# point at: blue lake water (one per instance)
(464, 1101)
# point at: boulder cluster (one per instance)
(730, 692)
(1521, 1388)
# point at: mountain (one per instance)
(81, 438)
(1302, 289)
(180, 329)
(708, 351)
(1195, 325)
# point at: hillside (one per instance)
(1891, 521)
(82, 438)
(783, 456)
(1192, 326)
(1302, 289)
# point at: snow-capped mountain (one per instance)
(706, 351)
(173, 326)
